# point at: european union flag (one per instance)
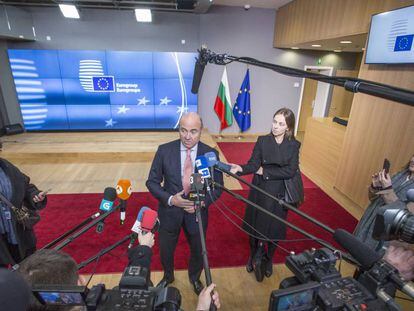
(103, 84)
(403, 43)
(241, 109)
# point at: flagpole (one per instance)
(240, 137)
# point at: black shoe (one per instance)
(165, 281)
(269, 268)
(249, 265)
(198, 286)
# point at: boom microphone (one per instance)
(198, 71)
(123, 191)
(106, 205)
(147, 221)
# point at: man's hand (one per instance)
(402, 259)
(39, 197)
(375, 181)
(178, 200)
(146, 239)
(204, 300)
(235, 168)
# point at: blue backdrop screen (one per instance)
(102, 90)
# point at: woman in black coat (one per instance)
(275, 158)
(16, 241)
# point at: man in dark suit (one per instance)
(169, 182)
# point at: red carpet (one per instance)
(239, 153)
(226, 244)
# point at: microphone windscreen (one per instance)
(198, 74)
(123, 189)
(110, 194)
(141, 212)
(149, 220)
(361, 252)
(211, 158)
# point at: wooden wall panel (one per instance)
(377, 129)
(304, 21)
(341, 101)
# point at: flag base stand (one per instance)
(220, 136)
(240, 137)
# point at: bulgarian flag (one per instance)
(222, 106)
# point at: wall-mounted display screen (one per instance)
(102, 90)
(391, 36)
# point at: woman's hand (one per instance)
(39, 197)
(235, 168)
(260, 171)
(385, 179)
(375, 181)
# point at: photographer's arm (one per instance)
(141, 255)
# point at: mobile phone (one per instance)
(386, 166)
(47, 191)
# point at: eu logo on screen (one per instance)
(403, 43)
(103, 84)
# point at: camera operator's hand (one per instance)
(204, 299)
(402, 259)
(178, 200)
(146, 239)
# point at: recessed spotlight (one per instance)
(337, 51)
(143, 15)
(316, 45)
(69, 10)
(345, 42)
(21, 36)
(294, 48)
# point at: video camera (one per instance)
(133, 293)
(318, 285)
(394, 222)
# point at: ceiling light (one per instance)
(345, 42)
(316, 45)
(337, 51)
(143, 15)
(363, 49)
(294, 48)
(69, 10)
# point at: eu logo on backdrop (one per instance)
(103, 84)
(403, 43)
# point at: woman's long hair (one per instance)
(290, 121)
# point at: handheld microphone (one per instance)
(197, 193)
(106, 205)
(202, 166)
(371, 261)
(123, 191)
(147, 221)
(212, 161)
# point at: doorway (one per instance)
(313, 100)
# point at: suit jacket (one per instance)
(164, 180)
(23, 193)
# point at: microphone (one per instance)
(202, 166)
(123, 191)
(198, 70)
(410, 195)
(147, 221)
(363, 254)
(372, 261)
(106, 205)
(212, 161)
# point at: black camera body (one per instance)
(317, 285)
(133, 293)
